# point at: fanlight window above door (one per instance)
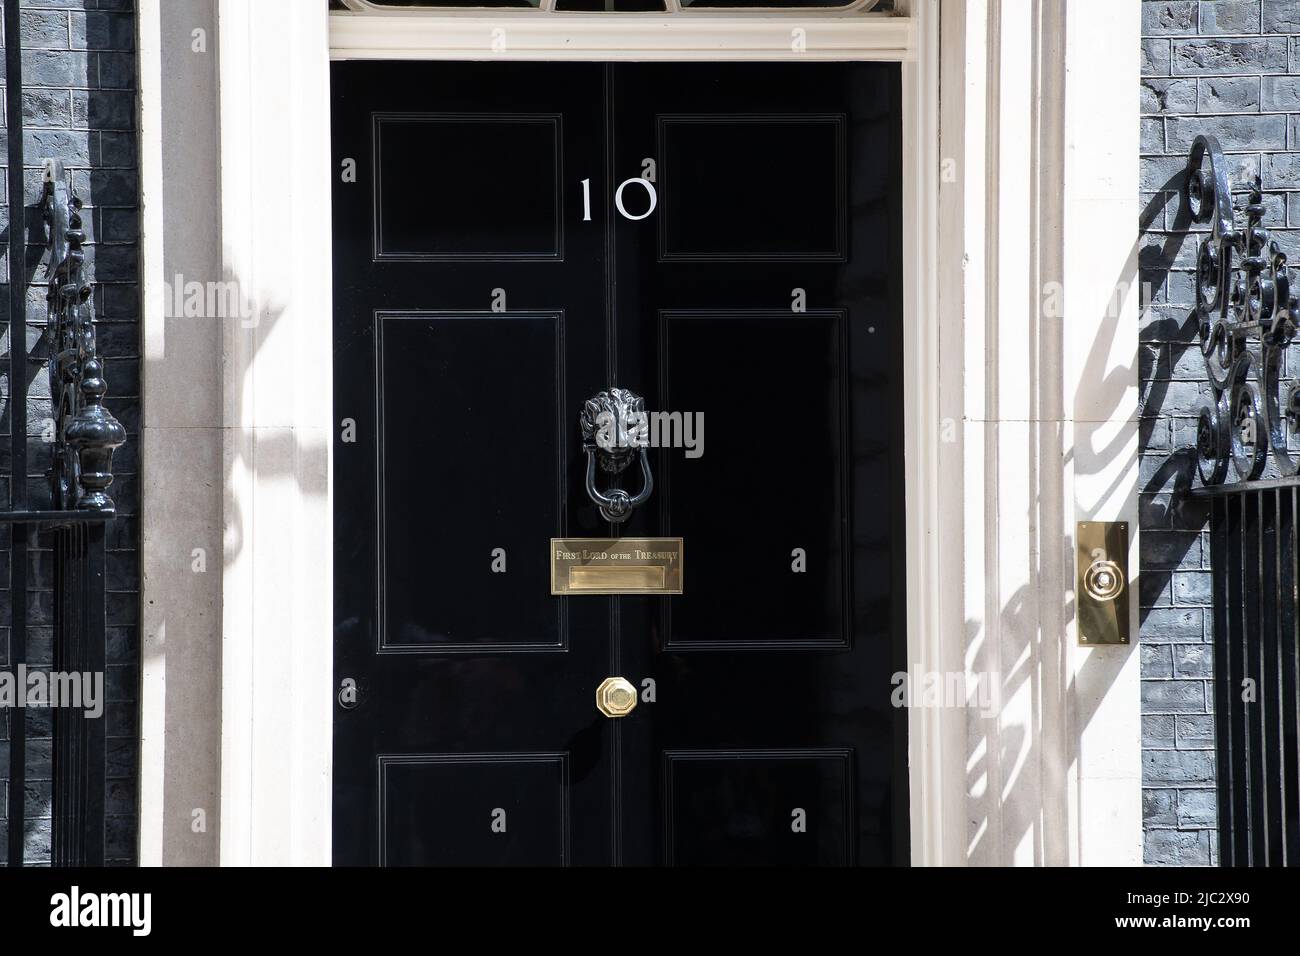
(618, 6)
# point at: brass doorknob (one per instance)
(615, 697)
(1103, 580)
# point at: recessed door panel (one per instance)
(450, 186)
(758, 808)
(438, 422)
(780, 437)
(752, 186)
(509, 809)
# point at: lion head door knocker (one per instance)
(615, 430)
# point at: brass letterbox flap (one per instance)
(616, 565)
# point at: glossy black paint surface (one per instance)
(475, 740)
(475, 186)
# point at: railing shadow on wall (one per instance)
(1022, 759)
(1166, 489)
(1240, 478)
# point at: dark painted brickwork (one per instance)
(1230, 68)
(79, 103)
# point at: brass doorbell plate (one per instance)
(1102, 584)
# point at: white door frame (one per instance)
(397, 34)
(767, 37)
(995, 394)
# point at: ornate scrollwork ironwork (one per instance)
(1246, 318)
(614, 428)
(85, 433)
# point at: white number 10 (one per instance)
(648, 186)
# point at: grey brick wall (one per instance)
(79, 103)
(1230, 68)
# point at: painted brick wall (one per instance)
(1230, 68)
(79, 103)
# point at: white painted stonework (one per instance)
(395, 34)
(181, 517)
(236, 699)
(277, 394)
(1101, 320)
(1036, 230)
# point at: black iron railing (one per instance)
(1248, 463)
(84, 436)
(1253, 555)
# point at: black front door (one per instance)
(723, 240)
